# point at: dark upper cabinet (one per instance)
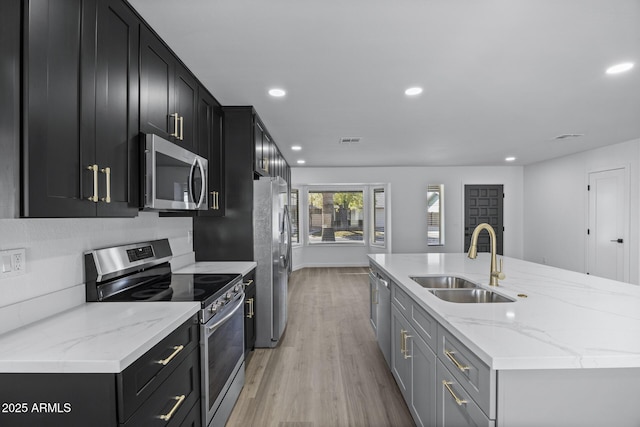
(210, 146)
(80, 84)
(168, 93)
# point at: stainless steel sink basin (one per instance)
(472, 296)
(443, 282)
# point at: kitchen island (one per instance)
(564, 352)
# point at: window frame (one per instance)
(337, 189)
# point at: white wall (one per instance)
(54, 277)
(556, 206)
(408, 190)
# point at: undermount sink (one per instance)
(444, 282)
(469, 295)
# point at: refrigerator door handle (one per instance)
(286, 235)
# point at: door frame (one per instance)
(626, 219)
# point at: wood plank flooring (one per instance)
(327, 370)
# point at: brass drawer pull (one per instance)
(94, 169)
(181, 128)
(455, 362)
(247, 284)
(448, 386)
(177, 349)
(179, 400)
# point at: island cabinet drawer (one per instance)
(401, 299)
(425, 325)
(478, 380)
(173, 400)
(138, 381)
(454, 406)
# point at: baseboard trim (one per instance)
(328, 265)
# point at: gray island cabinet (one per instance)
(563, 353)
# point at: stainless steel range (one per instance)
(141, 272)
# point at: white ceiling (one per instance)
(500, 77)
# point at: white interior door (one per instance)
(608, 232)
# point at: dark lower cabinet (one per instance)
(249, 312)
(80, 108)
(148, 393)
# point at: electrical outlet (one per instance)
(13, 262)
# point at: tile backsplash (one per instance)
(54, 275)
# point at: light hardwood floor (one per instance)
(327, 370)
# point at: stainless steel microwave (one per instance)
(175, 178)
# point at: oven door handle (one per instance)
(227, 316)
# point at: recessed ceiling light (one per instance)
(413, 91)
(509, 159)
(296, 147)
(620, 68)
(301, 162)
(278, 93)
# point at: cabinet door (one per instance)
(250, 318)
(58, 115)
(455, 408)
(186, 100)
(423, 381)
(117, 108)
(157, 70)
(400, 364)
(210, 146)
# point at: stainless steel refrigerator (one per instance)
(272, 252)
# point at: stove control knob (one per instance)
(229, 296)
(213, 308)
(237, 288)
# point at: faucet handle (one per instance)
(499, 274)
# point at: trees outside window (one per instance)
(336, 216)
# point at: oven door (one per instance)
(175, 178)
(222, 343)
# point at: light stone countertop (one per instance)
(569, 320)
(98, 337)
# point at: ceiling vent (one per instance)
(350, 140)
(569, 135)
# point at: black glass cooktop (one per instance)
(179, 287)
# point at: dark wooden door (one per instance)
(210, 146)
(58, 116)
(157, 69)
(116, 103)
(483, 203)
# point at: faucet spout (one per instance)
(494, 274)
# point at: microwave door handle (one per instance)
(203, 187)
(190, 182)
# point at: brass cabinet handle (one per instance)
(217, 200)
(177, 349)
(179, 400)
(94, 169)
(214, 200)
(107, 172)
(175, 125)
(251, 312)
(406, 349)
(247, 284)
(448, 386)
(451, 357)
(402, 341)
(181, 138)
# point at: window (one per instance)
(293, 213)
(336, 217)
(435, 215)
(379, 217)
